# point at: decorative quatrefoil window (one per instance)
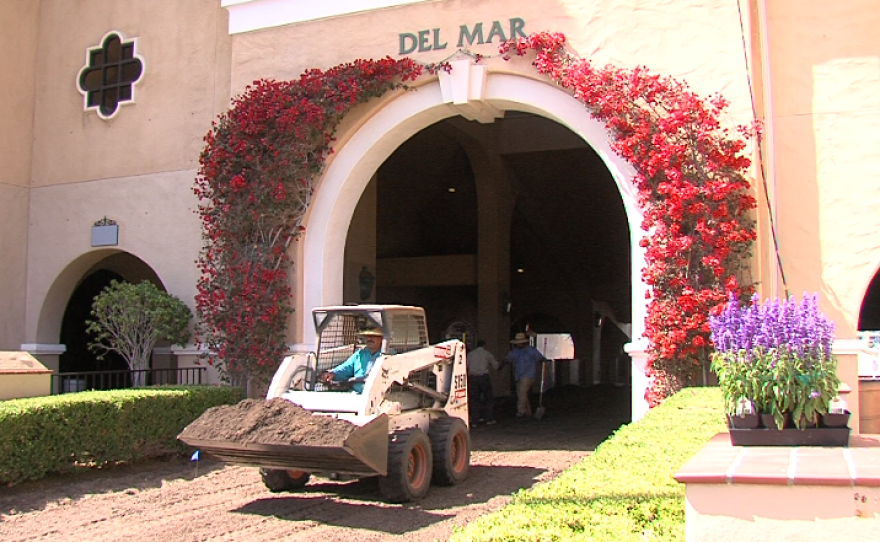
(111, 71)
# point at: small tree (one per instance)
(130, 318)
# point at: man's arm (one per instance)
(344, 370)
(494, 362)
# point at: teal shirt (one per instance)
(358, 365)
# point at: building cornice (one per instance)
(250, 15)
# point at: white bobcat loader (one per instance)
(411, 417)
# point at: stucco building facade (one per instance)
(487, 195)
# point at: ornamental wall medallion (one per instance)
(112, 70)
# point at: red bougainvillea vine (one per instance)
(263, 156)
(258, 168)
(693, 191)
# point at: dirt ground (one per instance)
(180, 500)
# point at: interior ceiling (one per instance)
(418, 214)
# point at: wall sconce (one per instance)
(598, 319)
(105, 233)
(506, 305)
(366, 280)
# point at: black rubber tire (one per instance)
(278, 480)
(451, 446)
(409, 466)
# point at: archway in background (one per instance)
(77, 358)
(398, 120)
(82, 284)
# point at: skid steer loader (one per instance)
(411, 417)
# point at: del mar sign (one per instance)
(432, 39)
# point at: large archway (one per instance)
(499, 228)
(402, 117)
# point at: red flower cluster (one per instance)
(693, 191)
(262, 157)
(256, 180)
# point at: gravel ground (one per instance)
(178, 500)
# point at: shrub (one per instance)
(61, 433)
(624, 491)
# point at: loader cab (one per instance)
(404, 329)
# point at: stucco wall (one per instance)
(136, 168)
(13, 263)
(825, 64)
(19, 386)
(691, 39)
(185, 46)
(19, 46)
(156, 224)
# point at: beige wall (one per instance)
(13, 263)
(185, 46)
(157, 224)
(19, 45)
(136, 168)
(19, 386)
(747, 513)
(825, 66)
(705, 47)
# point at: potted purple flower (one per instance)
(774, 359)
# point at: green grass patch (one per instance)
(61, 433)
(624, 491)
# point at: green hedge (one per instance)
(60, 433)
(624, 491)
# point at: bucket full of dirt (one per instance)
(276, 433)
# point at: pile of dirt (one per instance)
(270, 422)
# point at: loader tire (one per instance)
(451, 445)
(409, 466)
(278, 480)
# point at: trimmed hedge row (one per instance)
(61, 433)
(624, 491)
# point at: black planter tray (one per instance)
(812, 436)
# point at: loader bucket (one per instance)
(363, 453)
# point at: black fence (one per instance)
(117, 380)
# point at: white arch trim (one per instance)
(355, 163)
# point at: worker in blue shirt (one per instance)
(358, 365)
(526, 359)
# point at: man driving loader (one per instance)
(358, 365)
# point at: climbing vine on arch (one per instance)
(264, 155)
(256, 178)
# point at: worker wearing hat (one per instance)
(525, 359)
(358, 365)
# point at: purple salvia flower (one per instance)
(798, 328)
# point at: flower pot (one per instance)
(743, 421)
(804, 424)
(834, 419)
(768, 434)
(769, 422)
(812, 436)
